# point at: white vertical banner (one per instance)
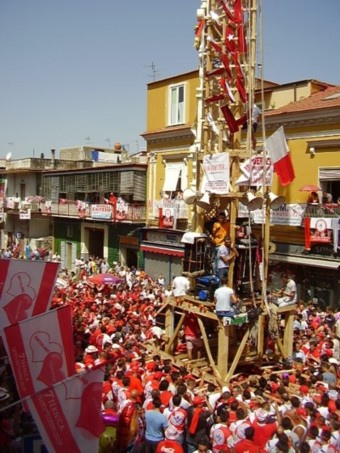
(216, 178)
(68, 415)
(26, 289)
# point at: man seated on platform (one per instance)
(225, 300)
(180, 287)
(287, 295)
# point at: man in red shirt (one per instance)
(192, 334)
(248, 444)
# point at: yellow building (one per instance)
(309, 111)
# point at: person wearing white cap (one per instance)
(91, 354)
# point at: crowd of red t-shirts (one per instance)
(291, 407)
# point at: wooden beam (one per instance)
(237, 356)
(174, 336)
(207, 347)
(223, 349)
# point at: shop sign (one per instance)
(128, 240)
(101, 211)
(158, 237)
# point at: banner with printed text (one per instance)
(216, 173)
(40, 350)
(68, 414)
(26, 290)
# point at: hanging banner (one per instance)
(40, 350)
(101, 211)
(321, 230)
(288, 214)
(26, 289)
(121, 209)
(68, 415)
(216, 173)
(252, 172)
(167, 217)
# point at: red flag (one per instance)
(214, 98)
(230, 119)
(225, 62)
(226, 89)
(227, 11)
(279, 153)
(241, 89)
(238, 13)
(214, 45)
(40, 350)
(26, 290)
(230, 39)
(242, 44)
(68, 415)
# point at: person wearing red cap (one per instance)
(167, 445)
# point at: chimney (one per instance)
(53, 158)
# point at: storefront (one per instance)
(163, 252)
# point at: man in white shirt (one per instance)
(288, 294)
(225, 298)
(180, 286)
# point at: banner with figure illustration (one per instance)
(68, 414)
(40, 350)
(26, 290)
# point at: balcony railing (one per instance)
(69, 208)
(322, 210)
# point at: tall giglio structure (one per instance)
(225, 38)
(223, 167)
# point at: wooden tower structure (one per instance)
(225, 38)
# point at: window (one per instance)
(176, 113)
(176, 176)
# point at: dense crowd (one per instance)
(151, 405)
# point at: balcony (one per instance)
(92, 211)
(127, 212)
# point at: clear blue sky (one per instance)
(74, 72)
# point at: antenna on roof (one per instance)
(153, 69)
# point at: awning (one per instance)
(162, 250)
(306, 261)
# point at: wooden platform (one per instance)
(225, 347)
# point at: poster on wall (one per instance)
(167, 217)
(121, 209)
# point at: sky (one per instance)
(75, 72)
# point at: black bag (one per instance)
(254, 313)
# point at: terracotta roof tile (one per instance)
(326, 99)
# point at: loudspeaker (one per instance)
(204, 202)
(189, 196)
(275, 201)
(253, 202)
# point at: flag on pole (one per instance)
(68, 414)
(279, 153)
(26, 289)
(40, 350)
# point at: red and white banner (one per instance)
(68, 415)
(40, 350)
(321, 230)
(252, 172)
(26, 289)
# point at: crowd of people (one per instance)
(152, 405)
